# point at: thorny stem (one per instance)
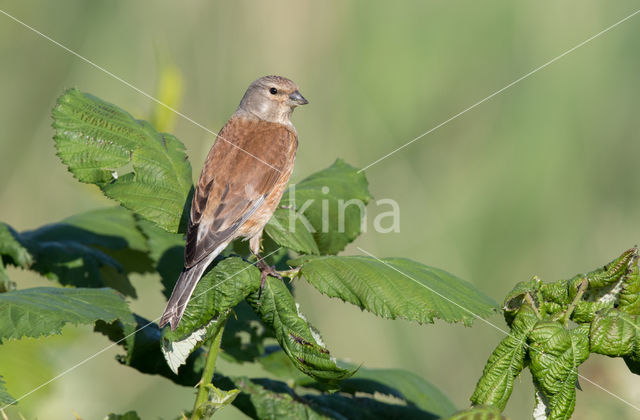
(207, 373)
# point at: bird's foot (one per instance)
(265, 270)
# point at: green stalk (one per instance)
(207, 373)
(581, 289)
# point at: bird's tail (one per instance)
(181, 293)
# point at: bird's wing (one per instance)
(241, 170)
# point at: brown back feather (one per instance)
(234, 184)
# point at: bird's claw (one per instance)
(266, 270)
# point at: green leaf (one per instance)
(276, 362)
(93, 249)
(506, 362)
(331, 188)
(142, 343)
(516, 297)
(45, 310)
(129, 415)
(244, 337)
(303, 345)
(629, 300)
(401, 384)
(219, 290)
(338, 406)
(268, 399)
(265, 399)
(259, 398)
(5, 398)
(396, 288)
(217, 400)
(614, 271)
(11, 249)
(614, 333)
(290, 231)
(11, 252)
(112, 230)
(167, 252)
(555, 354)
(482, 412)
(407, 386)
(146, 171)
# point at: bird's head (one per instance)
(272, 98)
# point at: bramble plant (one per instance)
(554, 326)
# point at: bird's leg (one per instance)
(265, 269)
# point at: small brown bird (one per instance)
(241, 184)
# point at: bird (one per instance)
(242, 181)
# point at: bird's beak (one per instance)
(298, 99)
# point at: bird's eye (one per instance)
(273, 91)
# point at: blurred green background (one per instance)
(542, 179)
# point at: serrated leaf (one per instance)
(396, 288)
(176, 352)
(629, 300)
(290, 231)
(614, 333)
(98, 140)
(611, 273)
(482, 412)
(506, 362)
(45, 310)
(5, 398)
(323, 200)
(555, 353)
(558, 406)
(219, 290)
(277, 310)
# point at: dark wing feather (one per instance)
(234, 184)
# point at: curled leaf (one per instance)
(506, 362)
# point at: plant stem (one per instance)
(209, 369)
(581, 289)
